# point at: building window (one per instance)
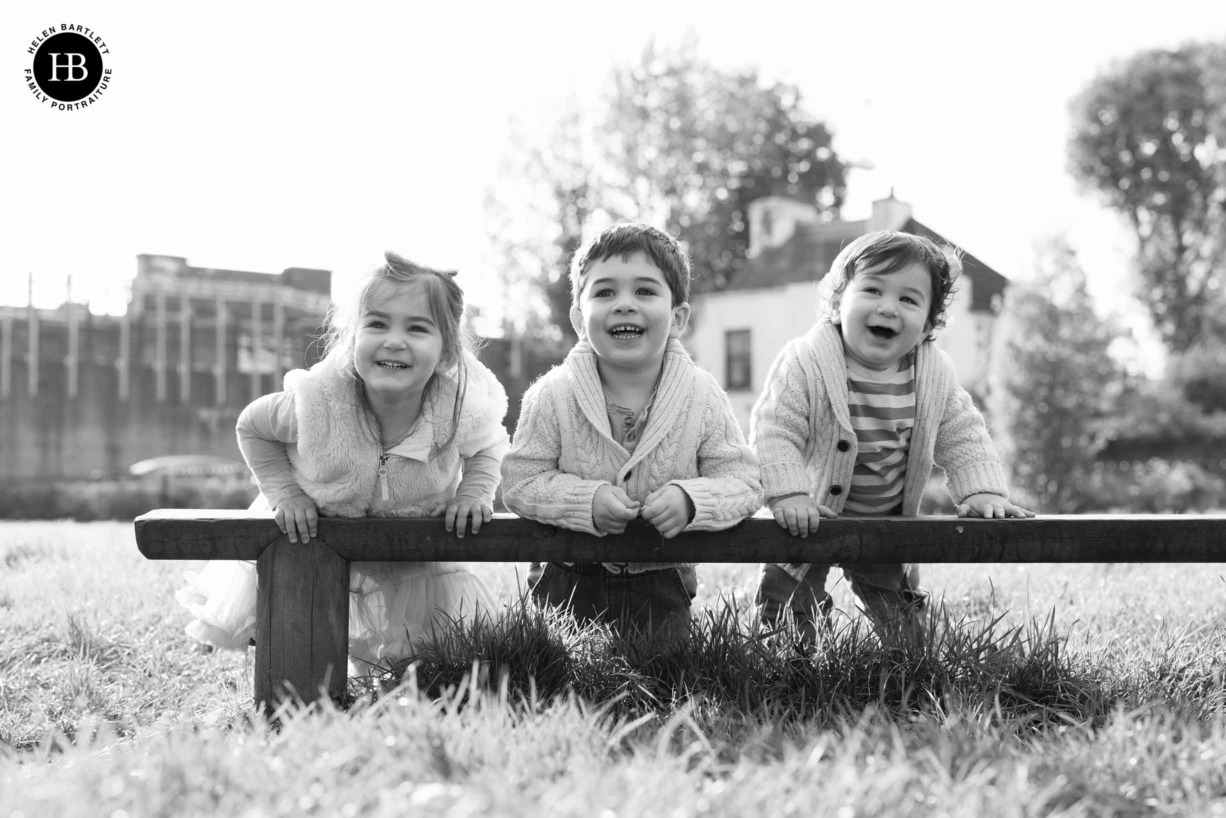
(738, 374)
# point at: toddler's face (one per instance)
(883, 316)
(398, 344)
(626, 311)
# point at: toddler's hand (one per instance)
(799, 514)
(989, 506)
(669, 509)
(461, 509)
(612, 508)
(297, 517)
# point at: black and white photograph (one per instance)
(657, 409)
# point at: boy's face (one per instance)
(626, 312)
(884, 316)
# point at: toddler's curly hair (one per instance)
(888, 251)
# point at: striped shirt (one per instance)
(882, 406)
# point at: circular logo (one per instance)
(68, 67)
(67, 71)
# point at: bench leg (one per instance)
(302, 623)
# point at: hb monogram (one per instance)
(73, 63)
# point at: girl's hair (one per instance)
(888, 251)
(446, 302)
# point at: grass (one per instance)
(1048, 690)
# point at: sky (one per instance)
(260, 136)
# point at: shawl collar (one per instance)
(676, 386)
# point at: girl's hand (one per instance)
(297, 517)
(462, 509)
(612, 508)
(799, 514)
(989, 506)
(669, 509)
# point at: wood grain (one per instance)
(201, 534)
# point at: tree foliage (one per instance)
(675, 141)
(1052, 381)
(692, 145)
(1150, 135)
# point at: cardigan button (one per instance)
(842, 445)
(835, 491)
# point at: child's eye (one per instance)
(645, 291)
(603, 292)
(375, 323)
(418, 328)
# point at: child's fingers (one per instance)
(449, 517)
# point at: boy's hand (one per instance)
(799, 514)
(612, 508)
(461, 509)
(669, 509)
(297, 517)
(989, 506)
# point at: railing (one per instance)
(302, 617)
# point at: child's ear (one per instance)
(681, 319)
(576, 321)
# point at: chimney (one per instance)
(889, 214)
(773, 220)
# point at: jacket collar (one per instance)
(676, 383)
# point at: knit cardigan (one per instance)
(335, 459)
(801, 427)
(563, 450)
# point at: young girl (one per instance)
(398, 420)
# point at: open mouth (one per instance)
(882, 333)
(393, 365)
(625, 332)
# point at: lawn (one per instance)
(1050, 690)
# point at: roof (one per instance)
(808, 254)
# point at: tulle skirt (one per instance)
(394, 607)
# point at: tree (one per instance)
(692, 145)
(1150, 135)
(536, 214)
(1054, 380)
(675, 142)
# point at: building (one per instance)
(85, 395)
(737, 332)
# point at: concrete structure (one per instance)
(85, 395)
(737, 332)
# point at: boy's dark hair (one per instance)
(888, 251)
(625, 240)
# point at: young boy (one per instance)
(628, 426)
(854, 415)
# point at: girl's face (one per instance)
(398, 346)
(883, 316)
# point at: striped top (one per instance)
(882, 406)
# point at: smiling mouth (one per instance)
(393, 365)
(625, 332)
(882, 333)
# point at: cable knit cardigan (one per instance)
(563, 451)
(801, 427)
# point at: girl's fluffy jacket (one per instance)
(336, 458)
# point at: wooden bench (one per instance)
(302, 618)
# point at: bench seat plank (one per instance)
(225, 534)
